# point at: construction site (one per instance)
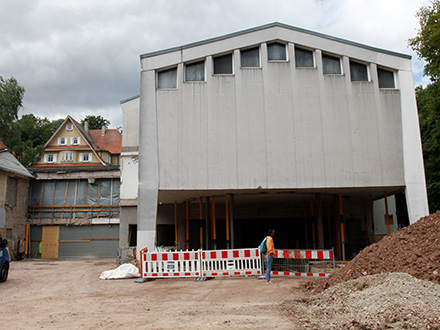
(392, 284)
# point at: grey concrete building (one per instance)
(275, 127)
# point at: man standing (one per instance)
(270, 254)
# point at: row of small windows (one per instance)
(63, 141)
(68, 157)
(250, 58)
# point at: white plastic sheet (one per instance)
(123, 271)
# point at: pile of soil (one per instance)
(382, 301)
(414, 250)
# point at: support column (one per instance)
(341, 217)
(148, 187)
(232, 221)
(187, 224)
(176, 237)
(305, 225)
(312, 209)
(319, 226)
(228, 242)
(201, 222)
(329, 224)
(372, 219)
(337, 245)
(387, 217)
(214, 231)
(367, 241)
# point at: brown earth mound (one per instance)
(414, 250)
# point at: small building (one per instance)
(275, 127)
(74, 201)
(14, 189)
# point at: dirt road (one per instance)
(69, 295)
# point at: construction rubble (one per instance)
(392, 284)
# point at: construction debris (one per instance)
(381, 301)
(414, 250)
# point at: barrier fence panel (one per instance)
(299, 262)
(231, 262)
(170, 264)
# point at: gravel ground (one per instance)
(382, 301)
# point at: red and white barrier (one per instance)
(170, 264)
(221, 263)
(231, 262)
(304, 254)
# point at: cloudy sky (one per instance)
(81, 57)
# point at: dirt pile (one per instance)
(414, 250)
(382, 301)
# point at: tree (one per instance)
(428, 103)
(30, 135)
(95, 122)
(11, 100)
(427, 45)
(427, 41)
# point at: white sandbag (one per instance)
(123, 271)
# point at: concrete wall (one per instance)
(277, 126)
(14, 192)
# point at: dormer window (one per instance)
(74, 141)
(69, 127)
(62, 141)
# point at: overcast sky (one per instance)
(81, 57)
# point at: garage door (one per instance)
(98, 241)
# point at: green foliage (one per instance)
(95, 122)
(427, 41)
(11, 98)
(30, 135)
(428, 103)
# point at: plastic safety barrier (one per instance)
(231, 262)
(200, 263)
(300, 254)
(170, 264)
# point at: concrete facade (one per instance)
(129, 170)
(277, 129)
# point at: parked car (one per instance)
(4, 259)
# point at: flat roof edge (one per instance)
(129, 99)
(267, 26)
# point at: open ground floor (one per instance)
(345, 220)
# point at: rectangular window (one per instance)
(85, 158)
(69, 127)
(167, 79)
(250, 58)
(386, 78)
(276, 52)
(62, 141)
(223, 64)
(74, 141)
(195, 71)
(303, 58)
(358, 71)
(109, 158)
(50, 158)
(331, 64)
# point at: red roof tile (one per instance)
(111, 141)
(3, 146)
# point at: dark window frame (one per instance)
(159, 73)
(193, 64)
(302, 50)
(219, 59)
(332, 58)
(354, 64)
(248, 51)
(269, 45)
